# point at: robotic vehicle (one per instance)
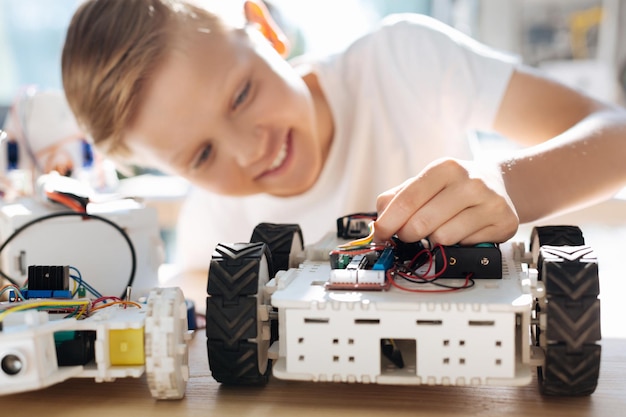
(48, 335)
(347, 310)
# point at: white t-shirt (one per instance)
(400, 97)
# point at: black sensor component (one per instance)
(48, 277)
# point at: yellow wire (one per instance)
(362, 241)
(82, 311)
(37, 304)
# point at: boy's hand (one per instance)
(450, 202)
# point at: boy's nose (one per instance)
(251, 147)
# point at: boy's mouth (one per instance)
(280, 158)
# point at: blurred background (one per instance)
(580, 42)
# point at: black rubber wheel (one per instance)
(238, 330)
(570, 326)
(555, 236)
(286, 244)
(284, 241)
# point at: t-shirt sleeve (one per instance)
(465, 78)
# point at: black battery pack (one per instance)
(481, 261)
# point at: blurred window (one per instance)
(31, 37)
(32, 32)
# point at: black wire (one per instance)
(422, 280)
(418, 280)
(470, 283)
(20, 229)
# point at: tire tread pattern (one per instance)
(231, 313)
(279, 238)
(570, 276)
(557, 236)
(235, 367)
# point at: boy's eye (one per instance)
(241, 97)
(203, 156)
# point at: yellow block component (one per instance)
(126, 347)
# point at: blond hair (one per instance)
(111, 51)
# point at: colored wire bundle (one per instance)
(124, 303)
(409, 272)
(78, 279)
(77, 307)
(11, 287)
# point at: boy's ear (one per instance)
(257, 14)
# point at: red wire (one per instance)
(104, 299)
(430, 264)
(66, 201)
(400, 287)
(425, 277)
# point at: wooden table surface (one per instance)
(205, 397)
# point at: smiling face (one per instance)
(229, 114)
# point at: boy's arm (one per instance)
(576, 157)
(582, 163)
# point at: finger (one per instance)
(491, 234)
(477, 225)
(383, 199)
(438, 211)
(406, 200)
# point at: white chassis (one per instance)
(474, 336)
(29, 358)
(493, 333)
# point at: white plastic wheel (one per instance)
(166, 343)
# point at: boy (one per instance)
(379, 126)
